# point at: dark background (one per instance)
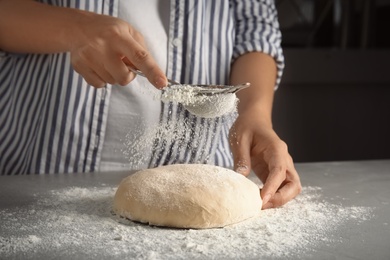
(334, 100)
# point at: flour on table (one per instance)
(80, 219)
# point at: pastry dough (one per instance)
(187, 196)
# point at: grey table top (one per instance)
(352, 183)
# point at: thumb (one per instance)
(241, 155)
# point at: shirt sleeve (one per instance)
(257, 30)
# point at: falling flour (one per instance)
(77, 222)
(191, 133)
(141, 142)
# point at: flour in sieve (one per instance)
(78, 222)
(207, 106)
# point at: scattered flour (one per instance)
(78, 222)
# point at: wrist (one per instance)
(74, 34)
(255, 111)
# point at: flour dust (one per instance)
(77, 222)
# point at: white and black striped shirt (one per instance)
(51, 119)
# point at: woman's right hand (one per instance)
(100, 46)
(105, 46)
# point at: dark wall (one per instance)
(335, 104)
(334, 99)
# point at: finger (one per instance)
(107, 70)
(91, 78)
(94, 75)
(276, 176)
(104, 74)
(142, 60)
(241, 153)
(119, 71)
(286, 193)
(129, 65)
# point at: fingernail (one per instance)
(266, 198)
(161, 82)
(242, 169)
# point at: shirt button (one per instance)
(176, 42)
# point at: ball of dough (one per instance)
(187, 196)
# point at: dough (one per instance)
(187, 196)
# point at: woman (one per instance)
(52, 120)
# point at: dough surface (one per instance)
(187, 196)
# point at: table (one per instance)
(34, 207)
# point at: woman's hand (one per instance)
(104, 49)
(254, 143)
(257, 147)
(100, 46)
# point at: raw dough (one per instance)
(187, 196)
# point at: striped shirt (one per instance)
(51, 120)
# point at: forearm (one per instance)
(260, 70)
(30, 27)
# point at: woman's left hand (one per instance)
(256, 146)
